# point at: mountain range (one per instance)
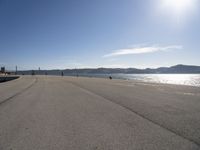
(178, 69)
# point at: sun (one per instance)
(178, 8)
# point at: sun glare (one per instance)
(179, 6)
(178, 9)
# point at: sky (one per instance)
(61, 34)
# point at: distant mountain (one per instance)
(180, 69)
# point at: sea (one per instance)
(179, 79)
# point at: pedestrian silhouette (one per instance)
(33, 72)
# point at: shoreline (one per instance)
(104, 76)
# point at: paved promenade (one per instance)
(69, 113)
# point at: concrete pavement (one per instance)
(48, 113)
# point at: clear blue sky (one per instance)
(58, 34)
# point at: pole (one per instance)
(16, 70)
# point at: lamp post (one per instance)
(39, 71)
(16, 70)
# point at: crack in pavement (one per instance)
(19, 93)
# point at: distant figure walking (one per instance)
(110, 77)
(33, 72)
(62, 74)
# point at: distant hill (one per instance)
(180, 69)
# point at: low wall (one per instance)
(7, 78)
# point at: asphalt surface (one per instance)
(61, 113)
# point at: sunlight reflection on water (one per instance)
(183, 79)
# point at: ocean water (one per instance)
(180, 79)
